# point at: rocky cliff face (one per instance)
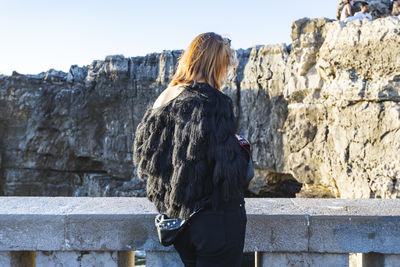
(342, 130)
(324, 111)
(71, 133)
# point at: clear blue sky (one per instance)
(38, 35)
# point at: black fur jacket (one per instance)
(188, 152)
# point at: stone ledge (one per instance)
(274, 225)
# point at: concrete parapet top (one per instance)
(141, 206)
(291, 225)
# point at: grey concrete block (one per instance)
(57, 258)
(116, 232)
(76, 259)
(276, 233)
(272, 206)
(113, 224)
(100, 259)
(392, 260)
(349, 234)
(34, 223)
(5, 259)
(347, 207)
(114, 205)
(31, 232)
(275, 225)
(304, 260)
(39, 205)
(164, 259)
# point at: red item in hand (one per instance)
(244, 143)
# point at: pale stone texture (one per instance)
(359, 65)
(5, 259)
(24, 231)
(356, 234)
(342, 129)
(165, 259)
(304, 259)
(391, 260)
(76, 259)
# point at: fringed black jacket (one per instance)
(188, 152)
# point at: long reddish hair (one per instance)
(207, 58)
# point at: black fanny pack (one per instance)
(168, 229)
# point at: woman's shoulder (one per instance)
(200, 94)
(209, 93)
(201, 99)
(169, 94)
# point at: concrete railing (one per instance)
(62, 231)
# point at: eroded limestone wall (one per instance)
(324, 111)
(72, 133)
(343, 127)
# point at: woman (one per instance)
(346, 11)
(396, 8)
(186, 148)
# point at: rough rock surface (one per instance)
(343, 127)
(324, 111)
(72, 134)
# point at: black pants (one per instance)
(213, 238)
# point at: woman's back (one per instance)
(187, 149)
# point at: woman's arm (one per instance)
(231, 161)
(348, 10)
